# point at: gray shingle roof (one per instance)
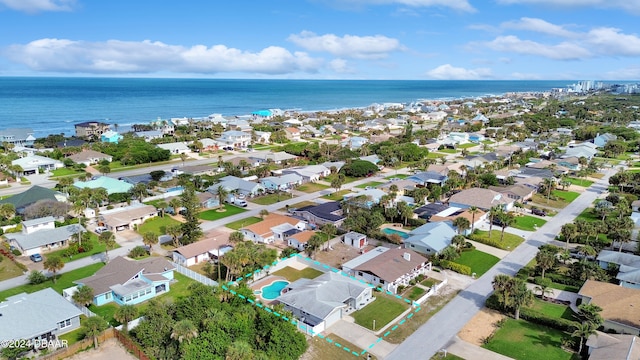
(44, 237)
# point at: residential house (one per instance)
(235, 139)
(476, 138)
(584, 149)
(456, 138)
(299, 240)
(388, 268)
(110, 184)
(480, 117)
(292, 133)
(89, 157)
(128, 282)
(36, 164)
(354, 142)
(602, 139)
(616, 303)
(274, 227)
(70, 143)
(262, 137)
(430, 238)
(175, 147)
(237, 185)
(40, 235)
(17, 136)
(198, 170)
(274, 157)
(529, 172)
(355, 239)
(628, 264)
(483, 199)
(110, 137)
(319, 303)
(39, 317)
(31, 196)
(149, 135)
(603, 346)
(325, 213)
(127, 217)
(284, 182)
(404, 186)
(204, 250)
(29, 151)
(371, 196)
(91, 129)
(518, 192)
(309, 173)
(428, 177)
(452, 213)
(428, 210)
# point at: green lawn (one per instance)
(588, 215)
(510, 241)
(429, 282)
(8, 269)
(466, 146)
(580, 182)
(370, 183)
(237, 225)
(65, 172)
(522, 340)
(269, 199)
(557, 311)
(415, 293)
(528, 223)
(333, 347)
(383, 310)
(157, 225)
(300, 205)
(448, 151)
(74, 336)
(435, 155)
(98, 247)
(563, 198)
(213, 214)
(63, 281)
(478, 261)
(106, 311)
(312, 187)
(292, 274)
(338, 195)
(567, 196)
(399, 176)
(347, 179)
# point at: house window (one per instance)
(64, 324)
(360, 273)
(107, 296)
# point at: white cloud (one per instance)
(525, 76)
(460, 5)
(340, 66)
(114, 56)
(539, 25)
(609, 41)
(34, 6)
(561, 51)
(449, 72)
(628, 73)
(347, 46)
(632, 6)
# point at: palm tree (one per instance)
(64, 183)
(83, 296)
(544, 286)
(583, 331)
(222, 193)
(494, 212)
(149, 239)
(404, 211)
(313, 244)
(239, 350)
(263, 213)
(184, 158)
(174, 231)
(109, 240)
(462, 224)
(93, 327)
(545, 260)
(184, 330)
(53, 264)
(124, 314)
(506, 220)
(569, 232)
(236, 237)
(139, 191)
(548, 184)
(175, 205)
(473, 210)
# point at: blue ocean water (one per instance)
(51, 105)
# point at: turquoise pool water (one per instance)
(390, 231)
(272, 291)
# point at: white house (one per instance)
(37, 164)
(203, 250)
(40, 235)
(127, 217)
(284, 182)
(274, 227)
(175, 148)
(234, 138)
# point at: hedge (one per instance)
(488, 241)
(459, 268)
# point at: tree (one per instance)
(239, 350)
(590, 313)
(493, 214)
(104, 169)
(569, 232)
(462, 224)
(124, 314)
(512, 293)
(473, 210)
(139, 191)
(184, 158)
(313, 244)
(93, 327)
(263, 213)
(405, 211)
(83, 296)
(53, 264)
(236, 237)
(548, 185)
(544, 286)
(36, 277)
(337, 182)
(184, 330)
(109, 240)
(545, 260)
(191, 230)
(506, 220)
(149, 239)
(175, 231)
(582, 331)
(222, 193)
(458, 241)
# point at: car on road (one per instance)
(36, 257)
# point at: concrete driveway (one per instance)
(361, 337)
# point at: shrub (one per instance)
(16, 252)
(138, 251)
(495, 241)
(36, 277)
(459, 268)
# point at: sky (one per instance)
(323, 39)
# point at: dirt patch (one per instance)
(108, 350)
(340, 254)
(480, 326)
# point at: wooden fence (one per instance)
(81, 345)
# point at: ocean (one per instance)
(51, 105)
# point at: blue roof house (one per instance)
(430, 238)
(110, 137)
(428, 177)
(602, 139)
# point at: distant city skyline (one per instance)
(323, 39)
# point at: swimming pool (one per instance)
(273, 290)
(175, 188)
(390, 231)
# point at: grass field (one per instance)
(312, 187)
(557, 311)
(510, 241)
(8, 269)
(98, 247)
(434, 155)
(478, 261)
(63, 281)
(429, 282)
(331, 348)
(588, 215)
(271, 198)
(157, 225)
(237, 225)
(399, 176)
(347, 179)
(580, 182)
(292, 274)
(213, 214)
(528, 223)
(415, 293)
(370, 183)
(563, 198)
(466, 146)
(384, 309)
(522, 340)
(65, 172)
(300, 205)
(338, 195)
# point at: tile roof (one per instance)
(303, 236)
(203, 246)
(481, 198)
(392, 264)
(617, 302)
(263, 228)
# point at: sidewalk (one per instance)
(466, 350)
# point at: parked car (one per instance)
(36, 257)
(538, 212)
(101, 229)
(239, 202)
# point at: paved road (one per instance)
(440, 331)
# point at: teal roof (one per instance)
(112, 185)
(262, 113)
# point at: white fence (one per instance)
(194, 275)
(432, 291)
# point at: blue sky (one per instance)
(323, 39)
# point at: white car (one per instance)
(101, 229)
